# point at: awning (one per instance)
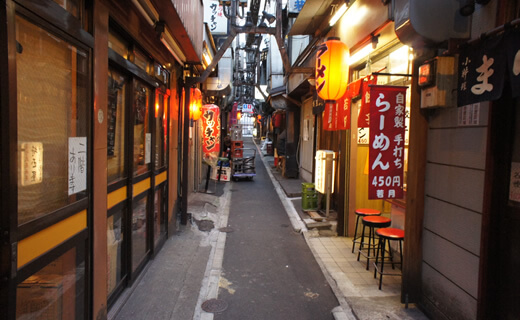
(276, 98)
(311, 16)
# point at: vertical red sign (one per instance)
(210, 132)
(364, 112)
(387, 128)
(329, 116)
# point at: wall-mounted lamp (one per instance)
(147, 10)
(171, 45)
(467, 7)
(374, 40)
(269, 17)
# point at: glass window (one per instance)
(142, 61)
(116, 126)
(114, 251)
(52, 97)
(54, 292)
(142, 133)
(161, 126)
(159, 215)
(118, 44)
(139, 232)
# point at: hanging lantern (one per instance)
(239, 115)
(210, 133)
(332, 69)
(195, 104)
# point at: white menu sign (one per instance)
(77, 164)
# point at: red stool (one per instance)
(372, 223)
(388, 234)
(363, 212)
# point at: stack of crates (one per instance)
(309, 197)
(236, 149)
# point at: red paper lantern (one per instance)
(332, 69)
(195, 104)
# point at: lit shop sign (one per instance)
(247, 108)
(325, 169)
(387, 140)
(32, 163)
(210, 133)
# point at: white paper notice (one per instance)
(514, 184)
(148, 148)
(32, 163)
(77, 164)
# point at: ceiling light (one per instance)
(147, 10)
(338, 14)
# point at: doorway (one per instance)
(500, 259)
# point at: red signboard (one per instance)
(337, 115)
(387, 128)
(210, 133)
(364, 112)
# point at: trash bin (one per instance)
(309, 196)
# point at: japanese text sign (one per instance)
(32, 163)
(386, 144)
(481, 72)
(210, 133)
(77, 164)
(364, 111)
(214, 17)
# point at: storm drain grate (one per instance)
(226, 229)
(214, 305)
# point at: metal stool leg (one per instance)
(382, 262)
(377, 258)
(361, 243)
(355, 235)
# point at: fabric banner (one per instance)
(482, 70)
(386, 144)
(210, 133)
(330, 115)
(343, 112)
(364, 110)
(512, 40)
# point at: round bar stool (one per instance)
(362, 212)
(372, 223)
(387, 235)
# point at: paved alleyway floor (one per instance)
(247, 254)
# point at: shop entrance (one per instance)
(500, 255)
(137, 175)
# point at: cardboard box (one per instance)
(225, 173)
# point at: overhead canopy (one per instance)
(311, 16)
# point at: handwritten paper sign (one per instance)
(77, 164)
(32, 163)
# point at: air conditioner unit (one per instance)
(438, 82)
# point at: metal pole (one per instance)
(185, 150)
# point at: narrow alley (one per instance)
(243, 256)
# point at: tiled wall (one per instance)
(454, 189)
